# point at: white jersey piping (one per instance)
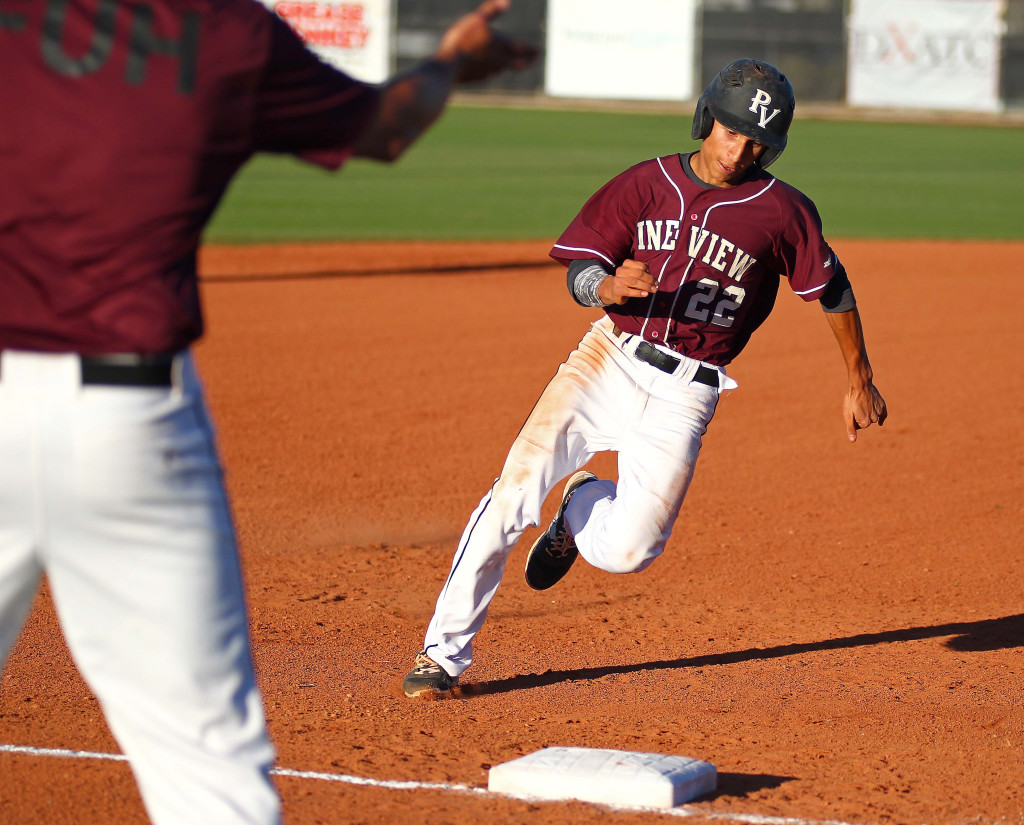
(703, 223)
(668, 260)
(586, 249)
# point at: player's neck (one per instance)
(703, 171)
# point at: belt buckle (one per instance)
(650, 354)
(128, 370)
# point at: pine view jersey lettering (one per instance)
(718, 254)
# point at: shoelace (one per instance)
(561, 545)
(424, 664)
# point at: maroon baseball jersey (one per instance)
(718, 254)
(123, 123)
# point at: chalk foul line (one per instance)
(408, 785)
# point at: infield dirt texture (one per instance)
(837, 627)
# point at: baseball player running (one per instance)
(123, 124)
(684, 253)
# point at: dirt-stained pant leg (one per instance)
(575, 417)
(623, 527)
(127, 514)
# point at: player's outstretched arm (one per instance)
(863, 405)
(469, 51)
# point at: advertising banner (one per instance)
(925, 54)
(638, 50)
(354, 36)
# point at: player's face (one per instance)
(725, 156)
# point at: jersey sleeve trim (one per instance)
(811, 291)
(592, 252)
(837, 271)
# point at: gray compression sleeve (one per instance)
(838, 295)
(583, 279)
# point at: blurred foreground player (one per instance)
(123, 123)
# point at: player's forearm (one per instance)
(409, 105)
(849, 334)
(584, 279)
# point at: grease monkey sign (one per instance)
(352, 36)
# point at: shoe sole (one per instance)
(430, 692)
(575, 481)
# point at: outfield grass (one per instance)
(503, 174)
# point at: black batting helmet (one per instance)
(750, 97)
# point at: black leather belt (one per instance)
(668, 363)
(650, 354)
(128, 370)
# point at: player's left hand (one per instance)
(480, 52)
(863, 407)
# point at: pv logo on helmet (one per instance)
(760, 102)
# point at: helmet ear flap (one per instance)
(768, 157)
(703, 122)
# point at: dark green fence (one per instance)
(805, 37)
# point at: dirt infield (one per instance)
(838, 628)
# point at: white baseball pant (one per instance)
(601, 399)
(116, 495)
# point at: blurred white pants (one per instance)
(116, 495)
(601, 399)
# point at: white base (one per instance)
(608, 777)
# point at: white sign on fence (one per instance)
(353, 36)
(635, 50)
(925, 54)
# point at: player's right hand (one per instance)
(477, 50)
(632, 279)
